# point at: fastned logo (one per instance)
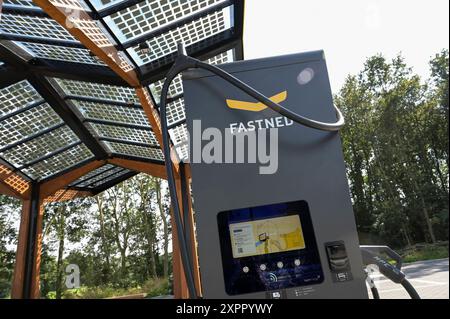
(255, 106)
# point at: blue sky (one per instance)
(348, 31)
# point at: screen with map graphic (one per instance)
(266, 236)
(268, 247)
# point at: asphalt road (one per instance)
(430, 278)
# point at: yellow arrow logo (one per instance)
(255, 106)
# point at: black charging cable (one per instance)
(182, 63)
(372, 255)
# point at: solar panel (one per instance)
(54, 52)
(40, 146)
(59, 162)
(134, 150)
(31, 129)
(87, 176)
(101, 4)
(27, 123)
(116, 113)
(102, 175)
(189, 33)
(176, 87)
(109, 178)
(33, 26)
(70, 4)
(24, 3)
(175, 111)
(17, 96)
(179, 136)
(150, 15)
(99, 91)
(126, 134)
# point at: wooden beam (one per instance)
(63, 195)
(142, 167)
(48, 188)
(72, 16)
(6, 190)
(19, 266)
(15, 183)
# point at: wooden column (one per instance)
(191, 238)
(180, 290)
(35, 291)
(19, 267)
(28, 256)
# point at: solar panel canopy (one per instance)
(61, 106)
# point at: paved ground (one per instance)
(430, 279)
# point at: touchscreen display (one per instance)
(268, 247)
(266, 236)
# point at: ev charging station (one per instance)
(289, 233)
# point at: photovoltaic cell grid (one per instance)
(99, 91)
(179, 137)
(109, 178)
(192, 33)
(90, 174)
(33, 26)
(116, 113)
(176, 87)
(70, 4)
(175, 111)
(125, 134)
(27, 123)
(101, 4)
(24, 3)
(150, 15)
(59, 162)
(92, 182)
(134, 150)
(189, 33)
(17, 96)
(54, 52)
(40, 146)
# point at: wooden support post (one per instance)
(192, 238)
(28, 255)
(191, 241)
(35, 291)
(19, 267)
(179, 279)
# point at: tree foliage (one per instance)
(396, 148)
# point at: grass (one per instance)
(151, 288)
(425, 252)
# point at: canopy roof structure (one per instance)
(80, 84)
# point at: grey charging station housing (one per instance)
(309, 188)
